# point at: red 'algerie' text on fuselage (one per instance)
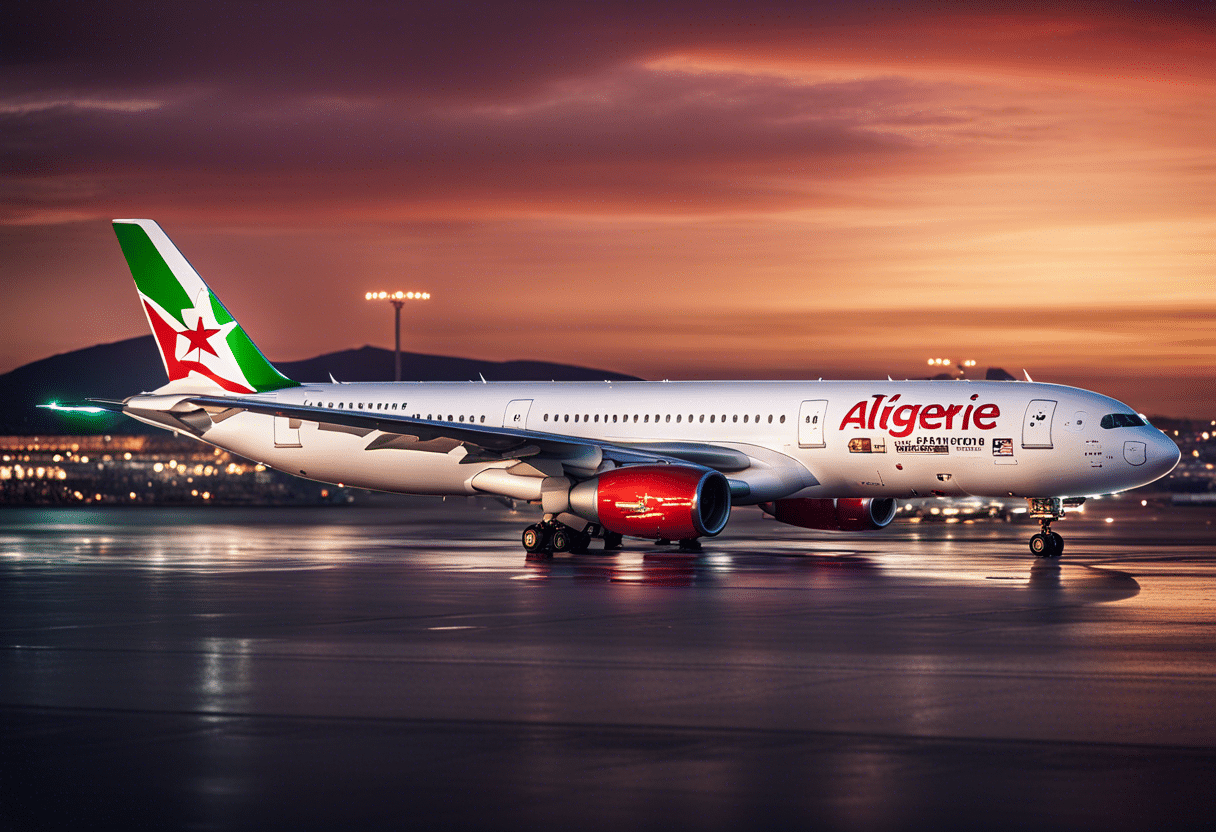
(901, 419)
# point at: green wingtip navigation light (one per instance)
(73, 408)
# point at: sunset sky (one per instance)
(696, 190)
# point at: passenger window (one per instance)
(597, 417)
(783, 420)
(702, 417)
(566, 417)
(614, 418)
(770, 418)
(546, 419)
(646, 418)
(576, 418)
(667, 418)
(678, 417)
(745, 418)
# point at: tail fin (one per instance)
(198, 340)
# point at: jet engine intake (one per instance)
(846, 514)
(670, 502)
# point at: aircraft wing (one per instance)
(760, 474)
(484, 443)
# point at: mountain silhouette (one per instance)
(118, 370)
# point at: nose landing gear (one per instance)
(1049, 544)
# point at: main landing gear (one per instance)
(1049, 544)
(550, 536)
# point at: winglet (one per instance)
(1028, 378)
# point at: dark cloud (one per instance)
(483, 50)
(626, 136)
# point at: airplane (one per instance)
(662, 461)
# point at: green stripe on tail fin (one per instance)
(199, 340)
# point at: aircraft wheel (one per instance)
(1040, 545)
(1057, 545)
(582, 541)
(562, 540)
(534, 539)
(690, 544)
(612, 540)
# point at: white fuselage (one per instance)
(845, 438)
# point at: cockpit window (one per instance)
(1122, 420)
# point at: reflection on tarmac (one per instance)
(668, 568)
(396, 668)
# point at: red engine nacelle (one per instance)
(673, 502)
(846, 514)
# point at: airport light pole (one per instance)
(397, 299)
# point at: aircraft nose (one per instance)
(1162, 455)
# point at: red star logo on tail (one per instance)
(166, 338)
(199, 338)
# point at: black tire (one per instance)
(534, 539)
(690, 544)
(1040, 545)
(562, 540)
(1057, 545)
(582, 542)
(612, 541)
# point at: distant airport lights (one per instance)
(397, 296)
(397, 299)
(949, 366)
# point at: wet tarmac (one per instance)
(408, 667)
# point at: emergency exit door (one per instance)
(517, 414)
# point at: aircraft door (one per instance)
(287, 431)
(810, 423)
(1036, 427)
(517, 414)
